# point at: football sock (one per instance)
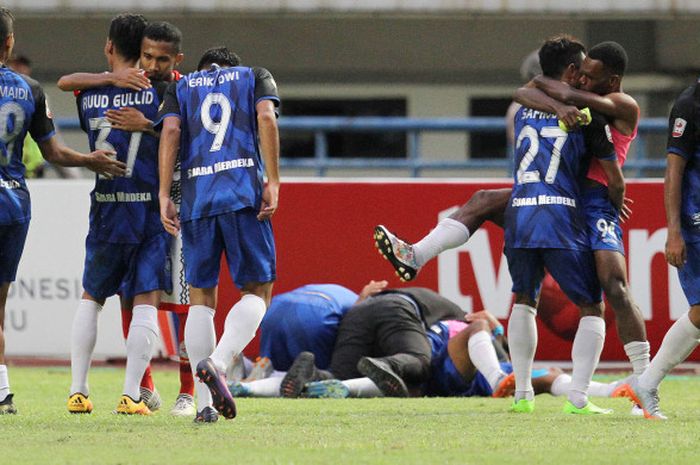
(522, 341)
(186, 379)
(142, 339)
(240, 326)
(562, 384)
(638, 353)
(83, 338)
(483, 356)
(448, 234)
(147, 380)
(200, 339)
(680, 340)
(585, 354)
(362, 387)
(4, 383)
(266, 387)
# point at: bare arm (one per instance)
(370, 289)
(616, 182)
(128, 78)
(270, 147)
(167, 153)
(99, 161)
(531, 97)
(673, 181)
(130, 119)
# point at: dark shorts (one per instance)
(689, 274)
(127, 269)
(248, 243)
(12, 240)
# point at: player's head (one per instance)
(124, 39)
(603, 68)
(561, 57)
(221, 56)
(21, 64)
(7, 32)
(161, 50)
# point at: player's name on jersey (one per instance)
(208, 81)
(11, 184)
(16, 93)
(529, 113)
(219, 166)
(544, 200)
(123, 197)
(130, 99)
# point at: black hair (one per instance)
(21, 60)
(221, 56)
(162, 31)
(7, 21)
(126, 34)
(558, 52)
(612, 55)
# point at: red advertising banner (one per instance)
(323, 232)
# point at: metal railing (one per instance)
(639, 162)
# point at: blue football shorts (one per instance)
(689, 274)
(248, 244)
(12, 239)
(602, 218)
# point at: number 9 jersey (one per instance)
(545, 209)
(221, 166)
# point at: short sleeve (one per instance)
(169, 106)
(41, 127)
(598, 138)
(265, 86)
(681, 125)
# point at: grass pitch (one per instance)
(357, 431)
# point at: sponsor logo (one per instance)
(679, 127)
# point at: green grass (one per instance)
(356, 431)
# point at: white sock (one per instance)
(239, 329)
(680, 340)
(142, 338)
(362, 387)
(585, 354)
(522, 341)
(4, 383)
(266, 387)
(562, 384)
(638, 353)
(200, 340)
(483, 356)
(83, 338)
(448, 234)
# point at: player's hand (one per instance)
(569, 115)
(675, 250)
(105, 162)
(483, 315)
(168, 215)
(374, 287)
(131, 78)
(270, 197)
(128, 119)
(626, 210)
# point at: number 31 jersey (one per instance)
(221, 166)
(123, 209)
(22, 108)
(545, 208)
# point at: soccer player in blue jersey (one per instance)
(682, 201)
(23, 110)
(223, 121)
(545, 227)
(127, 249)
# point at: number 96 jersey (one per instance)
(221, 166)
(545, 209)
(123, 209)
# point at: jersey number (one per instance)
(549, 132)
(217, 128)
(11, 124)
(105, 127)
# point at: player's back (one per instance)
(123, 209)
(549, 163)
(17, 107)
(221, 164)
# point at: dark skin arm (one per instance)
(673, 182)
(99, 161)
(270, 149)
(531, 97)
(616, 185)
(167, 153)
(128, 78)
(130, 119)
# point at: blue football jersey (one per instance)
(123, 209)
(22, 108)
(545, 209)
(684, 141)
(221, 166)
